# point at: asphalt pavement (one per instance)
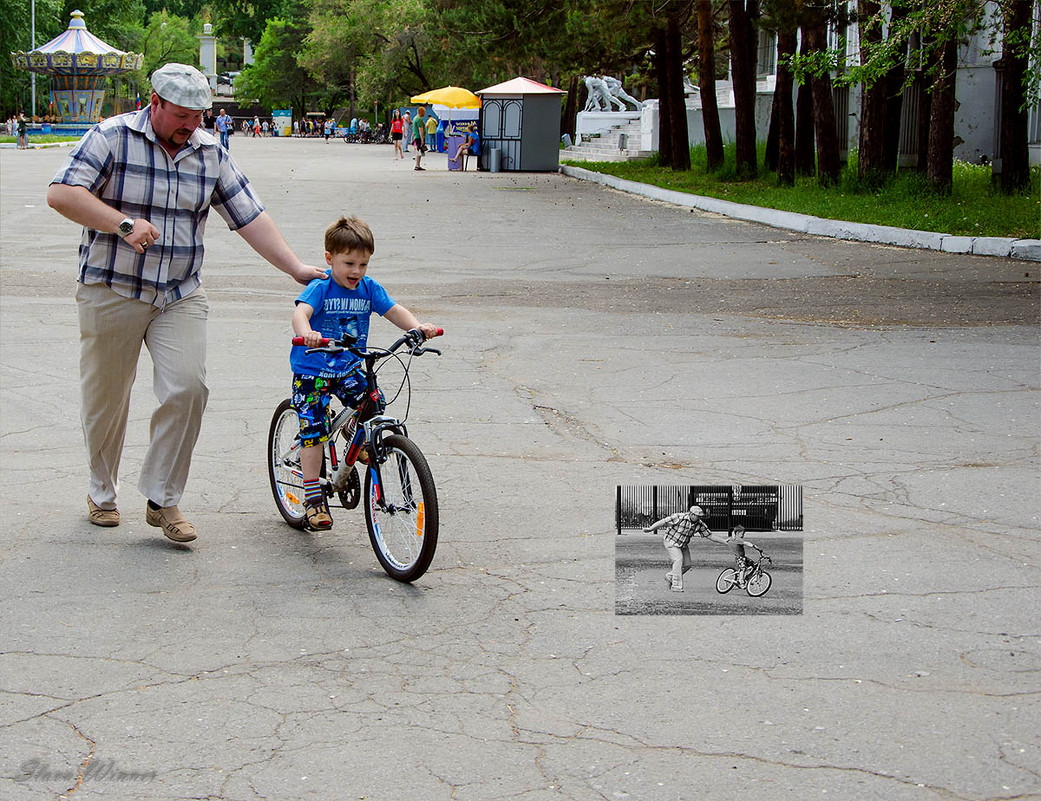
(593, 339)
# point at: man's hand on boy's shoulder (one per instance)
(306, 273)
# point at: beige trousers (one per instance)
(112, 329)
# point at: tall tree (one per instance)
(786, 44)
(168, 38)
(873, 99)
(276, 78)
(805, 141)
(743, 16)
(782, 17)
(815, 33)
(707, 84)
(1015, 59)
(940, 160)
(672, 89)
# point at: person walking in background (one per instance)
(224, 125)
(139, 281)
(23, 131)
(397, 128)
(419, 133)
(431, 140)
(406, 120)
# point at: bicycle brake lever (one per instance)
(421, 351)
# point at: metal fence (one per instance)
(757, 507)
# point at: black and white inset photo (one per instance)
(709, 549)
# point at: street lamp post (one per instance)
(32, 14)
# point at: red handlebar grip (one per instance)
(440, 331)
(300, 341)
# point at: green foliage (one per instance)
(168, 39)
(118, 22)
(276, 79)
(237, 19)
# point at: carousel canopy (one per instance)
(77, 52)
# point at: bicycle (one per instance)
(401, 512)
(756, 581)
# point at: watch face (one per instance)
(126, 227)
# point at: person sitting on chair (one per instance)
(470, 143)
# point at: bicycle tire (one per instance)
(404, 539)
(286, 487)
(758, 584)
(726, 581)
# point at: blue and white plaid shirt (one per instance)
(121, 162)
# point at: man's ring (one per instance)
(144, 246)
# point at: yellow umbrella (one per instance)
(450, 96)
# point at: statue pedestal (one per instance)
(600, 122)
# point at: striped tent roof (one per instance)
(77, 39)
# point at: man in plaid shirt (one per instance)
(680, 528)
(141, 185)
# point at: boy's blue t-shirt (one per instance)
(338, 311)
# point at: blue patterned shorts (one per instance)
(311, 396)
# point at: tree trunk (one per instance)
(773, 133)
(707, 85)
(680, 136)
(661, 71)
(828, 165)
(1015, 147)
(894, 84)
(786, 42)
(871, 148)
(742, 67)
(805, 159)
(568, 123)
(940, 164)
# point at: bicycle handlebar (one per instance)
(413, 337)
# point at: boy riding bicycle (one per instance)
(335, 307)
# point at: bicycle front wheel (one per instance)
(726, 580)
(283, 464)
(401, 510)
(759, 583)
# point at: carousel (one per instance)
(78, 64)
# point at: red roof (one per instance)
(521, 86)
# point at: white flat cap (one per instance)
(183, 86)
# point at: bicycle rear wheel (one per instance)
(401, 513)
(283, 464)
(759, 583)
(726, 580)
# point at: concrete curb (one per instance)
(1028, 249)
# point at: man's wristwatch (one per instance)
(126, 228)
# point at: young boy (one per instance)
(333, 307)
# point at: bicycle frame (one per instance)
(371, 426)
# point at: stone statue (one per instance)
(619, 94)
(606, 92)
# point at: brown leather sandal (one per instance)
(318, 517)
